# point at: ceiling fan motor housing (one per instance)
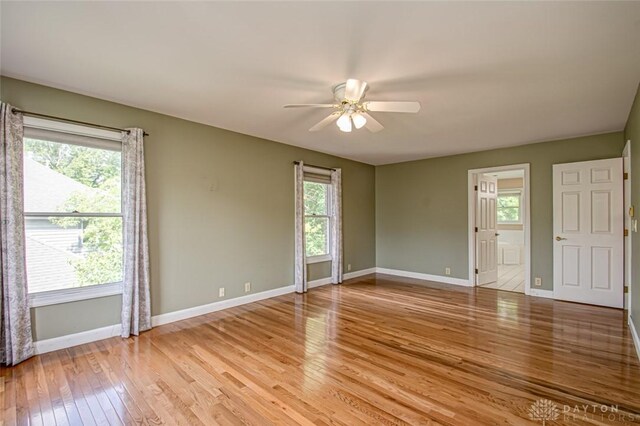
(339, 90)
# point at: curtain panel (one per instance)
(335, 239)
(300, 269)
(136, 298)
(16, 342)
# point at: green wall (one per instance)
(421, 206)
(220, 209)
(632, 132)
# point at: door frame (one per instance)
(628, 225)
(471, 219)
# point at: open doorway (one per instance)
(499, 234)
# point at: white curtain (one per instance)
(16, 342)
(136, 299)
(300, 254)
(336, 227)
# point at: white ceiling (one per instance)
(487, 74)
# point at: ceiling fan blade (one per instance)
(392, 106)
(354, 89)
(325, 122)
(372, 124)
(309, 106)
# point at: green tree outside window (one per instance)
(509, 207)
(316, 226)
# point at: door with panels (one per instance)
(486, 230)
(588, 222)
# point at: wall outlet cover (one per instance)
(247, 287)
(447, 271)
(221, 292)
(537, 281)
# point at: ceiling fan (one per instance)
(353, 111)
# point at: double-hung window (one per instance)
(73, 212)
(317, 218)
(510, 207)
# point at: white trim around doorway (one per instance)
(628, 224)
(526, 225)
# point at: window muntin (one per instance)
(509, 207)
(317, 219)
(73, 214)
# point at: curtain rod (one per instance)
(317, 167)
(68, 120)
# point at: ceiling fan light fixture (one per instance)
(344, 123)
(351, 110)
(359, 120)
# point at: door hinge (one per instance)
(625, 176)
(476, 270)
(626, 232)
(476, 229)
(475, 188)
(626, 289)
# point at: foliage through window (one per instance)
(317, 218)
(509, 207)
(73, 215)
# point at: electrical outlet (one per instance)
(537, 281)
(221, 292)
(447, 271)
(348, 267)
(247, 287)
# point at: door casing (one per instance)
(471, 218)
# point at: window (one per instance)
(317, 220)
(510, 207)
(73, 214)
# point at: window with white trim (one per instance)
(73, 211)
(317, 220)
(510, 207)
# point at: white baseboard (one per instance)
(548, 294)
(218, 306)
(318, 283)
(427, 277)
(360, 273)
(347, 276)
(634, 336)
(70, 340)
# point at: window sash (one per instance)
(518, 208)
(63, 133)
(327, 239)
(329, 216)
(71, 214)
(51, 295)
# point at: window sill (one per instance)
(319, 259)
(54, 297)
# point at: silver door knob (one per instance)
(560, 238)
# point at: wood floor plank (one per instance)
(375, 350)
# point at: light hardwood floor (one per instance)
(376, 350)
(510, 278)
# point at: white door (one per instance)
(486, 230)
(628, 222)
(588, 232)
